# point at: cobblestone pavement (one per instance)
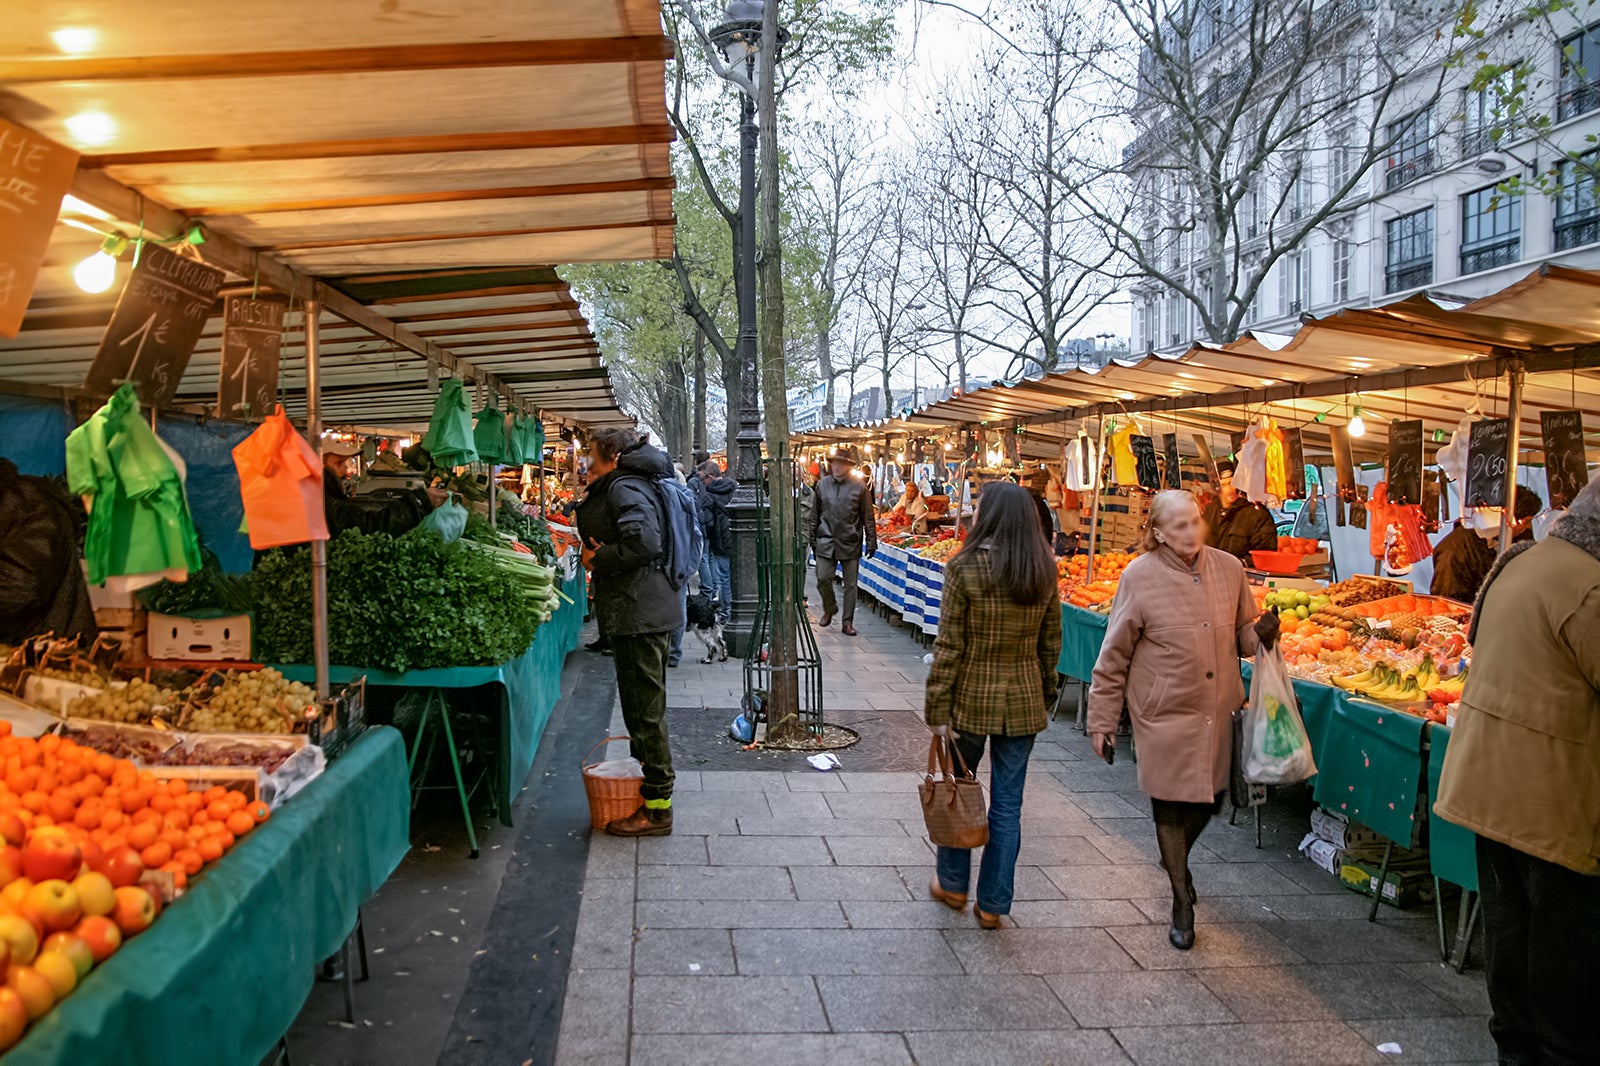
(787, 921)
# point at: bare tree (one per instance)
(893, 285)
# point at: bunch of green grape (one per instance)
(131, 704)
(258, 702)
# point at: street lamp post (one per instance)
(739, 38)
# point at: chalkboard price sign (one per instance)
(1144, 458)
(1169, 448)
(1405, 462)
(1344, 463)
(1566, 465)
(252, 336)
(1294, 464)
(159, 317)
(34, 174)
(1486, 463)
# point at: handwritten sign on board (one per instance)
(1486, 463)
(1144, 459)
(1169, 448)
(1294, 464)
(1566, 463)
(152, 333)
(35, 173)
(1405, 461)
(252, 336)
(1344, 463)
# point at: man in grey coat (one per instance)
(841, 523)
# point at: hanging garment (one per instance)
(280, 481)
(1124, 466)
(489, 436)
(1277, 462)
(450, 435)
(1250, 470)
(132, 485)
(1083, 459)
(1452, 458)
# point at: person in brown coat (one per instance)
(1182, 616)
(1523, 772)
(994, 679)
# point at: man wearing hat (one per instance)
(393, 514)
(840, 523)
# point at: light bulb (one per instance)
(96, 273)
(1357, 428)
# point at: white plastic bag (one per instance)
(627, 767)
(1250, 470)
(1277, 750)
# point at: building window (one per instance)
(1343, 260)
(1577, 206)
(1491, 229)
(1580, 74)
(1294, 283)
(1409, 241)
(1174, 308)
(1485, 125)
(1411, 153)
(1341, 163)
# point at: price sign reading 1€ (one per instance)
(159, 317)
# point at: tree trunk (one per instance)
(700, 441)
(825, 365)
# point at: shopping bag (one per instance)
(953, 808)
(1277, 749)
(448, 520)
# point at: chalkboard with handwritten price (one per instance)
(159, 317)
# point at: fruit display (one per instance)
(134, 702)
(1296, 602)
(1299, 545)
(1072, 580)
(85, 839)
(1358, 590)
(261, 701)
(263, 755)
(1416, 685)
(940, 550)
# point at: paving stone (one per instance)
(726, 1005)
(686, 952)
(917, 914)
(1139, 998)
(789, 1049)
(685, 781)
(1346, 906)
(833, 827)
(1240, 879)
(738, 914)
(1040, 1047)
(589, 1031)
(898, 805)
(1346, 990)
(1312, 878)
(800, 804)
(964, 1004)
(715, 882)
(1109, 882)
(892, 702)
(1041, 951)
(1216, 944)
(1361, 940)
(1031, 883)
(1467, 992)
(687, 820)
(1432, 1039)
(603, 938)
(1071, 824)
(858, 882)
(769, 851)
(1108, 805)
(677, 850)
(879, 851)
(1050, 751)
(611, 857)
(732, 804)
(1296, 1044)
(1215, 908)
(881, 782)
(1074, 913)
(1095, 776)
(815, 781)
(1060, 851)
(776, 952)
(744, 781)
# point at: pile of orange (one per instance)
(1299, 545)
(1108, 566)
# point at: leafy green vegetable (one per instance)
(209, 589)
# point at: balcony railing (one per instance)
(1404, 172)
(1577, 98)
(1487, 256)
(1409, 275)
(1572, 231)
(1480, 140)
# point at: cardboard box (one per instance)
(121, 619)
(102, 597)
(1332, 827)
(1324, 855)
(203, 639)
(1409, 882)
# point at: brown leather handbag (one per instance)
(953, 807)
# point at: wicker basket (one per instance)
(610, 798)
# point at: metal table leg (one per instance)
(1438, 916)
(1383, 877)
(1471, 906)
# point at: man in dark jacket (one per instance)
(391, 514)
(624, 531)
(1236, 525)
(716, 490)
(42, 587)
(841, 523)
(1460, 563)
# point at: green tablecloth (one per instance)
(1452, 850)
(1082, 633)
(225, 970)
(520, 693)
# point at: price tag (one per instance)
(1486, 463)
(252, 336)
(35, 173)
(1566, 465)
(1405, 462)
(152, 333)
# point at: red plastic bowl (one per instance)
(1277, 562)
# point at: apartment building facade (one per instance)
(1433, 213)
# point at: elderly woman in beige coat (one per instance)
(1182, 617)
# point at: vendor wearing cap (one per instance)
(391, 514)
(1238, 526)
(841, 524)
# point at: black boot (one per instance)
(1181, 935)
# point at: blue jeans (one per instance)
(997, 874)
(721, 582)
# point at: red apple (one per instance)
(12, 829)
(51, 854)
(55, 903)
(60, 971)
(102, 936)
(122, 865)
(71, 946)
(96, 893)
(20, 937)
(13, 1018)
(10, 863)
(136, 909)
(38, 994)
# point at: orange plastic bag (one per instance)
(280, 479)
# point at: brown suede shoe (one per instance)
(848, 629)
(825, 621)
(954, 900)
(985, 919)
(643, 822)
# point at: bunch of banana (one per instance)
(1383, 682)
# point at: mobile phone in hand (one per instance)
(1111, 753)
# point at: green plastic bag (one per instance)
(490, 436)
(449, 438)
(514, 443)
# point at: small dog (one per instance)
(702, 616)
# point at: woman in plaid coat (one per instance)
(994, 679)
